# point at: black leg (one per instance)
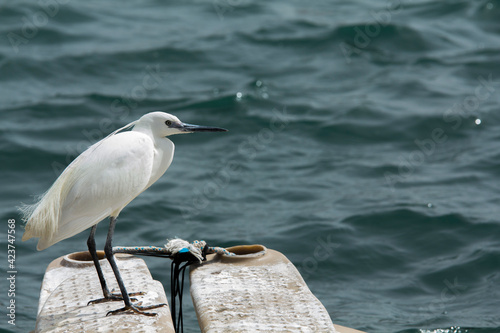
(108, 250)
(105, 291)
(95, 258)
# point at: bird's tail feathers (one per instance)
(42, 218)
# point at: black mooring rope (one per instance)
(176, 291)
(180, 262)
(181, 259)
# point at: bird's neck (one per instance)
(164, 153)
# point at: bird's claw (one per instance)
(137, 309)
(115, 297)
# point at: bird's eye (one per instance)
(168, 123)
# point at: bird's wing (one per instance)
(101, 182)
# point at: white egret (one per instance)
(100, 183)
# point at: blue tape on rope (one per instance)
(184, 250)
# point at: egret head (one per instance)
(162, 124)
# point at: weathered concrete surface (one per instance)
(71, 281)
(259, 290)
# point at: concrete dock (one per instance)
(257, 290)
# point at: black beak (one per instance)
(195, 128)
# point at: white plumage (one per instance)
(100, 183)
(105, 178)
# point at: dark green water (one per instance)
(364, 142)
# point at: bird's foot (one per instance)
(137, 309)
(115, 297)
